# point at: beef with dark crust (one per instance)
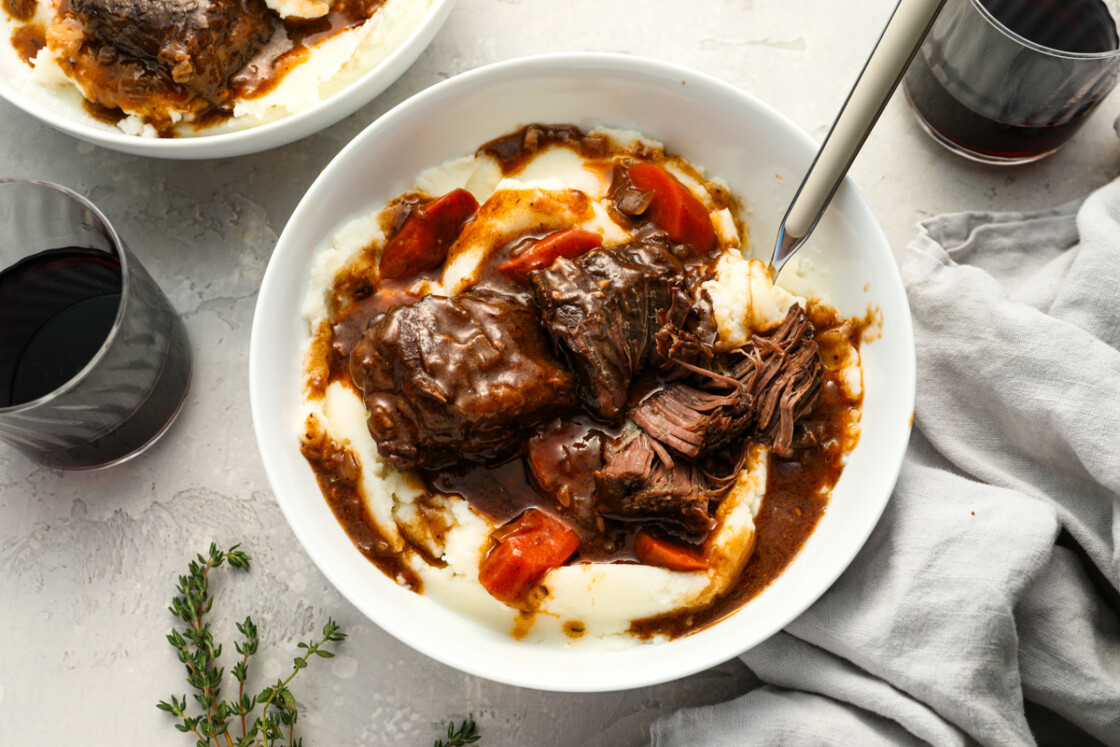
(448, 380)
(197, 44)
(602, 311)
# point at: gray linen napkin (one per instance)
(985, 606)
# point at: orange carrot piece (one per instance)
(423, 241)
(673, 207)
(663, 553)
(569, 243)
(530, 546)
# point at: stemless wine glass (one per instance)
(94, 362)
(1010, 81)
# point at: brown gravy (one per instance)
(338, 473)
(28, 40)
(291, 44)
(19, 10)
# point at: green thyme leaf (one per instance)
(466, 734)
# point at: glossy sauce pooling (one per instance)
(502, 492)
(28, 40)
(514, 150)
(291, 44)
(27, 37)
(338, 474)
(19, 10)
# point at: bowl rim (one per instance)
(701, 658)
(272, 134)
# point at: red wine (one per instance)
(58, 309)
(980, 90)
(951, 120)
(1082, 26)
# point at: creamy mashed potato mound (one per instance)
(585, 605)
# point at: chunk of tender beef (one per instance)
(772, 382)
(636, 483)
(691, 422)
(675, 433)
(447, 380)
(199, 43)
(627, 464)
(603, 309)
(686, 338)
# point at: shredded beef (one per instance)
(773, 381)
(691, 422)
(784, 373)
(635, 482)
(686, 338)
(198, 44)
(448, 380)
(770, 383)
(603, 310)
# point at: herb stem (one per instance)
(240, 697)
(207, 645)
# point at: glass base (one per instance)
(143, 447)
(972, 155)
(143, 427)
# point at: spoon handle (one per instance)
(885, 67)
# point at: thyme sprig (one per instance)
(466, 734)
(198, 652)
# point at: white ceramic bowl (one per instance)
(762, 156)
(67, 114)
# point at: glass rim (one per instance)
(111, 335)
(978, 6)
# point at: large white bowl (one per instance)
(67, 115)
(762, 156)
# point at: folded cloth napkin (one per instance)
(985, 607)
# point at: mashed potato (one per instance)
(440, 538)
(330, 64)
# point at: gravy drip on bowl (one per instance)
(605, 418)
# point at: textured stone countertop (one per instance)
(88, 561)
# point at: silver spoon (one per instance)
(900, 40)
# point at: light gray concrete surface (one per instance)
(88, 562)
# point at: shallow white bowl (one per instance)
(68, 116)
(762, 156)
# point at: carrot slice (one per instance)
(529, 547)
(423, 241)
(568, 243)
(663, 553)
(673, 207)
